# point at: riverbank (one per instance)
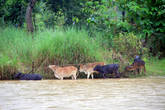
(20, 51)
(155, 67)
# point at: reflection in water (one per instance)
(98, 94)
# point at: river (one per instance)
(83, 94)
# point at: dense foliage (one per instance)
(105, 16)
(121, 28)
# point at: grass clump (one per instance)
(70, 46)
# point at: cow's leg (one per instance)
(92, 75)
(140, 71)
(144, 69)
(61, 78)
(88, 75)
(136, 71)
(104, 75)
(57, 76)
(117, 74)
(74, 76)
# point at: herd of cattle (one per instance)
(89, 69)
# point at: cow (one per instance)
(88, 68)
(108, 69)
(27, 76)
(129, 68)
(137, 65)
(61, 72)
(137, 58)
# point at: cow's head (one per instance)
(130, 68)
(97, 68)
(53, 67)
(17, 75)
(82, 68)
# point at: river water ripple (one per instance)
(83, 94)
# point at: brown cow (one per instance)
(136, 66)
(61, 72)
(130, 68)
(88, 68)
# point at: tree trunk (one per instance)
(29, 22)
(29, 16)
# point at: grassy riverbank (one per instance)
(18, 49)
(155, 67)
(61, 47)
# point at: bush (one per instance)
(125, 47)
(128, 45)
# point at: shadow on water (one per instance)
(97, 94)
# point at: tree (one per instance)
(29, 21)
(12, 12)
(148, 15)
(29, 10)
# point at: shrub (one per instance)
(126, 46)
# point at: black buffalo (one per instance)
(108, 69)
(21, 76)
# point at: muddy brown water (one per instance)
(82, 94)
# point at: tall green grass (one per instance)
(70, 46)
(18, 49)
(16, 45)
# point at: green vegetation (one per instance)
(79, 31)
(155, 67)
(60, 47)
(63, 47)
